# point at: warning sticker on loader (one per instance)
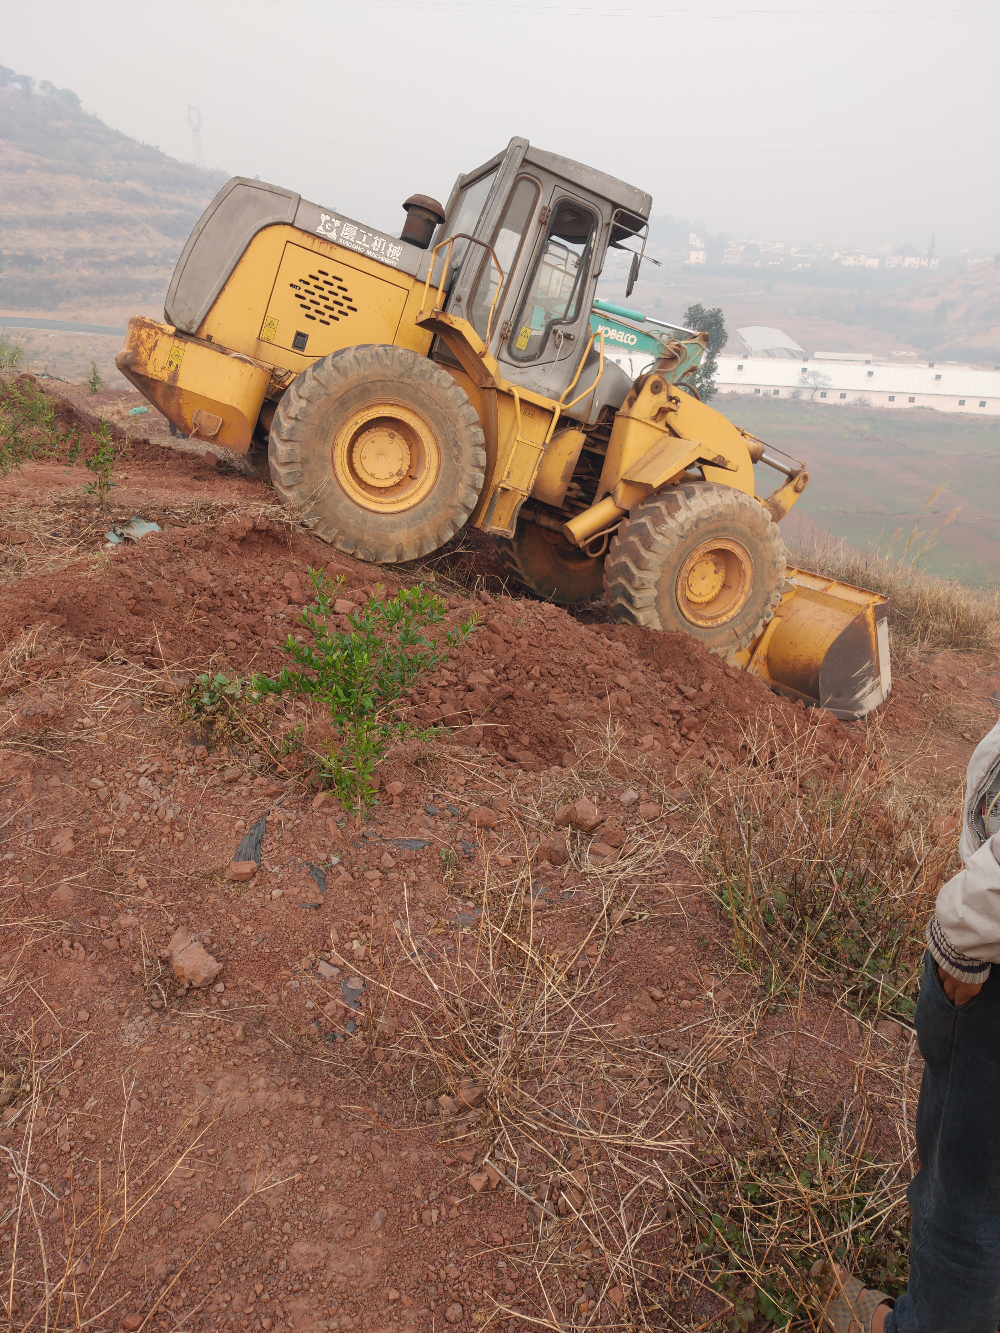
(270, 330)
(523, 338)
(174, 358)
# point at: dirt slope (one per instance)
(298, 1154)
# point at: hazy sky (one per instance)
(811, 121)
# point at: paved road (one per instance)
(57, 325)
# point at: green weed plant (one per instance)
(101, 466)
(361, 673)
(27, 425)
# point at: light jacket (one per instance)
(963, 935)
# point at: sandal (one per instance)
(853, 1307)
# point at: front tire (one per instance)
(550, 566)
(703, 559)
(381, 450)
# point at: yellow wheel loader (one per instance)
(397, 388)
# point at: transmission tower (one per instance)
(194, 122)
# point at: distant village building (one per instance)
(760, 341)
(840, 378)
(697, 257)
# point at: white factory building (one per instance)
(843, 378)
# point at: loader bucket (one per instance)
(827, 644)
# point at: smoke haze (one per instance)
(867, 125)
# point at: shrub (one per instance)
(93, 378)
(27, 425)
(360, 673)
(11, 352)
(101, 464)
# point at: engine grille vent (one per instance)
(323, 297)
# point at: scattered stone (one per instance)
(231, 775)
(582, 815)
(493, 1175)
(612, 834)
(470, 1094)
(553, 849)
(387, 862)
(629, 796)
(191, 961)
(326, 969)
(61, 897)
(62, 842)
(378, 1221)
(321, 799)
(888, 1029)
(601, 851)
(241, 871)
(395, 788)
(647, 743)
(342, 607)
(568, 760)
(454, 1313)
(480, 817)
(649, 810)
(479, 1180)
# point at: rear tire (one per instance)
(550, 566)
(703, 559)
(381, 450)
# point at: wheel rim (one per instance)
(386, 458)
(714, 582)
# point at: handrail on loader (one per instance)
(561, 405)
(449, 241)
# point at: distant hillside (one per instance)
(89, 218)
(951, 315)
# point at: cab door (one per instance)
(547, 325)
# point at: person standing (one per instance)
(954, 1198)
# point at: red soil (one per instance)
(119, 824)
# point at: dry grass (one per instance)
(925, 611)
(66, 1241)
(827, 868)
(689, 1182)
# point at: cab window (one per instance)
(556, 286)
(468, 208)
(506, 244)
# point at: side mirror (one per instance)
(633, 273)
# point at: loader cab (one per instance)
(549, 221)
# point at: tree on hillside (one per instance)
(712, 323)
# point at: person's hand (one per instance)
(959, 992)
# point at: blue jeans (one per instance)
(954, 1282)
